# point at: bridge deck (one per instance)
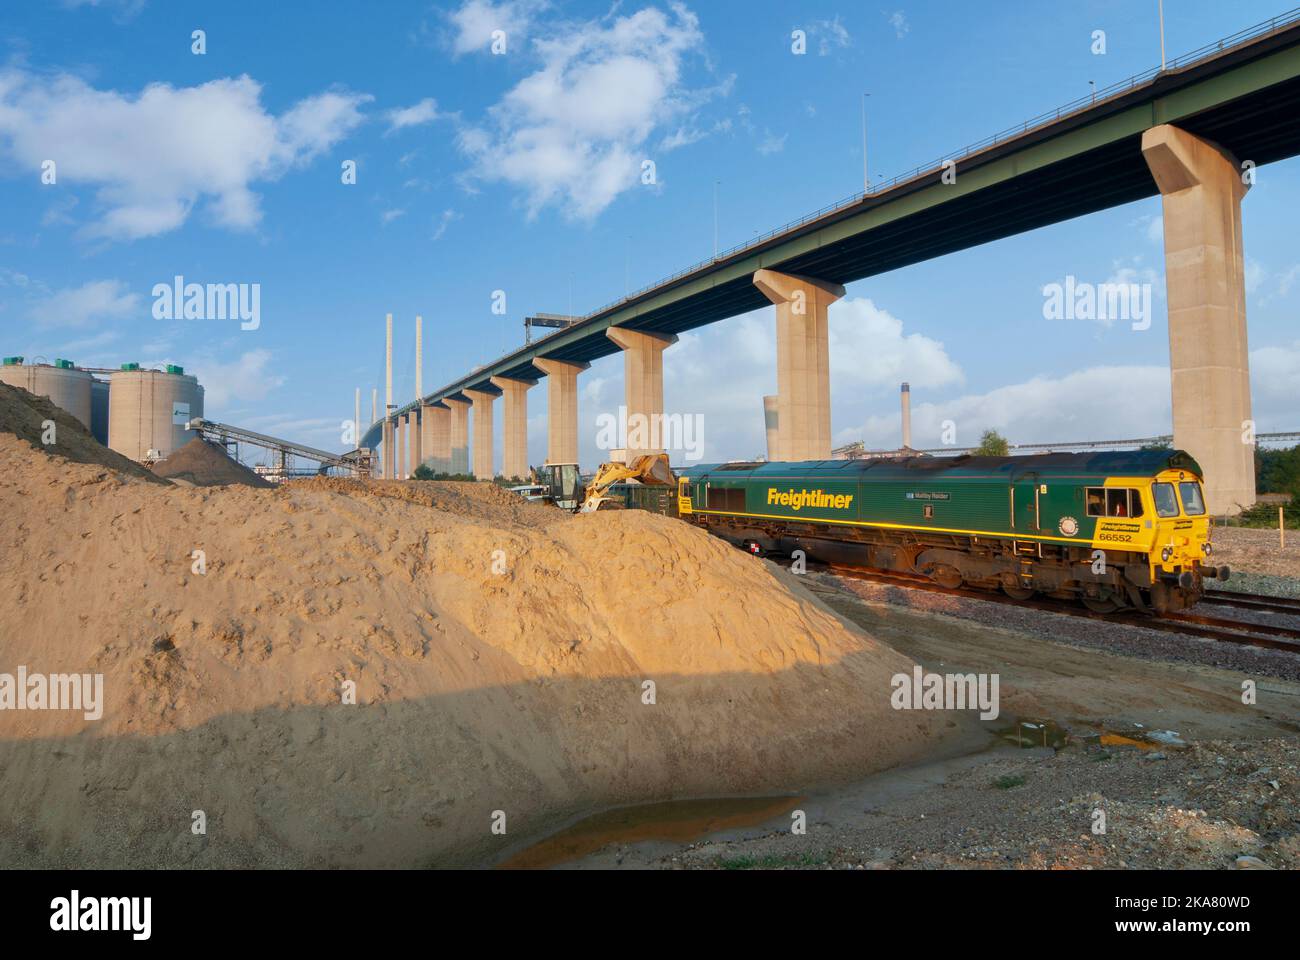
(1245, 97)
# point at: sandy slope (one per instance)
(477, 691)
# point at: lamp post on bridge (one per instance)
(1162, 35)
(866, 180)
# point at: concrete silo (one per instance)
(99, 410)
(67, 387)
(148, 410)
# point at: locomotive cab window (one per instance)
(1166, 501)
(1193, 502)
(1114, 502)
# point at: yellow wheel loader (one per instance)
(565, 490)
(651, 469)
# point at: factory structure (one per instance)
(142, 414)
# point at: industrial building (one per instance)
(142, 414)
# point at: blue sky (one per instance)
(520, 172)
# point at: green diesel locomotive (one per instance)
(1112, 529)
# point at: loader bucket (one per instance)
(653, 469)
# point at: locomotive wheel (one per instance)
(1017, 592)
(947, 577)
(1100, 604)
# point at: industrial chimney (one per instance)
(770, 426)
(905, 395)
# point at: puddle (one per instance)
(1048, 733)
(1142, 739)
(676, 821)
(1035, 733)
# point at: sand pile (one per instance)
(23, 414)
(499, 653)
(203, 464)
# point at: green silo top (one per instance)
(173, 368)
(130, 366)
(13, 361)
(64, 364)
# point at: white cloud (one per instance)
(322, 432)
(426, 111)
(681, 137)
(1274, 380)
(388, 216)
(898, 20)
(830, 34)
(1156, 230)
(573, 132)
(1255, 275)
(123, 10)
(154, 156)
(869, 349)
(92, 344)
(245, 380)
(1287, 280)
(1100, 403)
(89, 303)
(771, 143)
(475, 20)
(445, 220)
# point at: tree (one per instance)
(1278, 470)
(992, 444)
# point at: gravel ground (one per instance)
(1080, 632)
(1201, 806)
(1243, 581)
(1254, 555)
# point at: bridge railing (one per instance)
(1210, 50)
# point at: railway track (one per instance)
(1203, 627)
(1262, 603)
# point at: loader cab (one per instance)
(563, 484)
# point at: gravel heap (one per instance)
(24, 415)
(205, 464)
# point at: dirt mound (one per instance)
(24, 414)
(203, 464)
(350, 674)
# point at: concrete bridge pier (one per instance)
(459, 446)
(1201, 188)
(390, 458)
(514, 442)
(482, 444)
(643, 387)
(430, 419)
(561, 408)
(399, 447)
(426, 435)
(413, 445)
(803, 382)
(435, 436)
